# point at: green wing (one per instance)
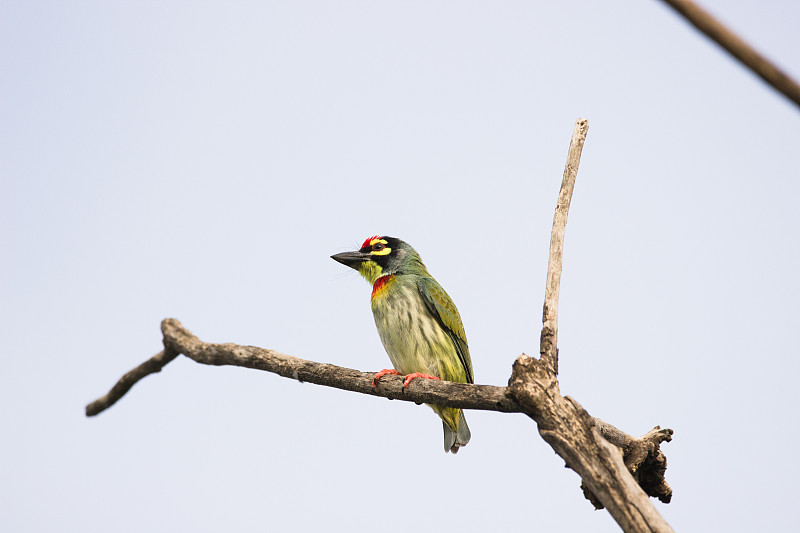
(442, 307)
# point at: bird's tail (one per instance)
(455, 439)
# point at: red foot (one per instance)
(415, 375)
(382, 373)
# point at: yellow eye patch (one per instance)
(382, 250)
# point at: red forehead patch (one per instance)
(369, 239)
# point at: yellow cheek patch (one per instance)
(370, 270)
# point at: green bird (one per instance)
(417, 321)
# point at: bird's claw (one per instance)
(415, 375)
(382, 373)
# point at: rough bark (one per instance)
(575, 436)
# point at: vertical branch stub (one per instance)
(548, 347)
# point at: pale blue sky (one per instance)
(203, 160)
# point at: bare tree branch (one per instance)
(738, 48)
(179, 340)
(601, 454)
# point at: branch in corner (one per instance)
(738, 48)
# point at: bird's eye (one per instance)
(377, 247)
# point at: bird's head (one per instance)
(382, 256)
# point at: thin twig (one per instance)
(151, 366)
(548, 346)
(737, 47)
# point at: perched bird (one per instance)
(417, 321)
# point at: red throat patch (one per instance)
(369, 240)
(379, 284)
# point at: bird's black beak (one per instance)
(352, 259)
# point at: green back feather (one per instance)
(444, 310)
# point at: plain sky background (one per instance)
(202, 160)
